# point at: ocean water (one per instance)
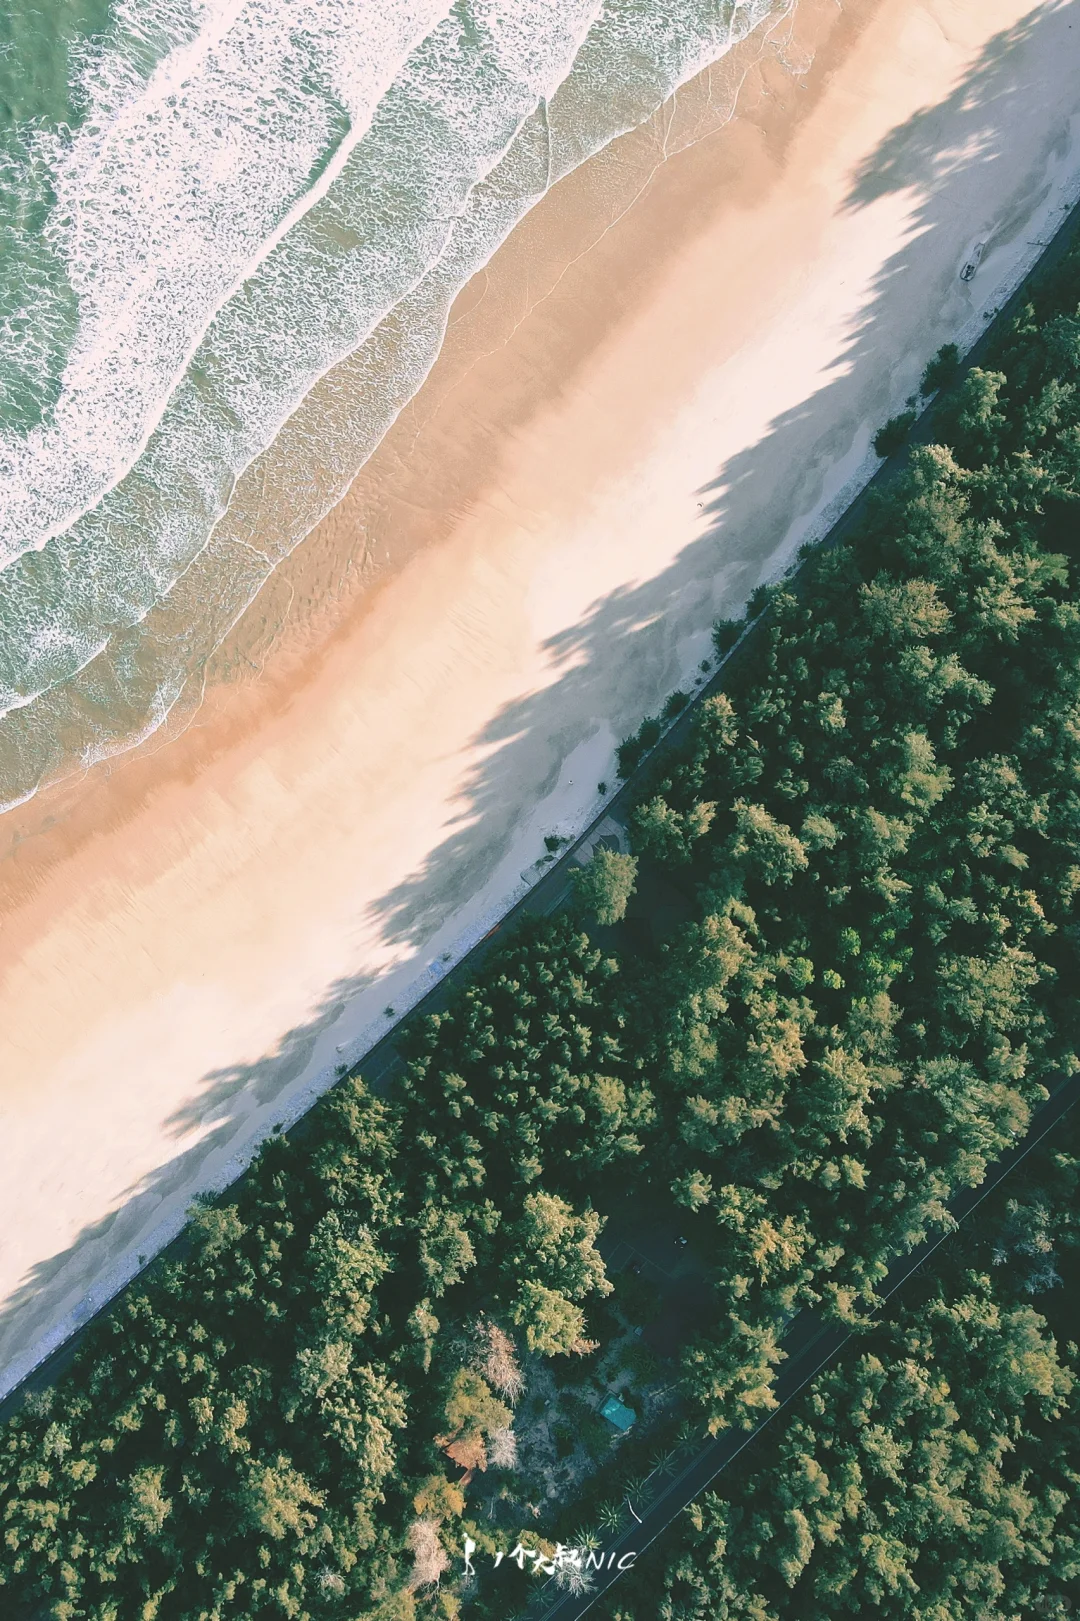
(232, 231)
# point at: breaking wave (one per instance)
(254, 195)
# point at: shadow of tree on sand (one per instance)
(229, 1111)
(971, 125)
(623, 657)
(628, 650)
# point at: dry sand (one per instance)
(659, 387)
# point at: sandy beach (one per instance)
(667, 379)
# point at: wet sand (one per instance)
(662, 384)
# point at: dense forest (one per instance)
(933, 1474)
(825, 990)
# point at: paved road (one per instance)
(810, 1345)
(382, 1061)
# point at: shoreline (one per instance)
(557, 771)
(432, 985)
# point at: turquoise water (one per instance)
(210, 206)
(39, 55)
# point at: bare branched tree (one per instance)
(495, 1357)
(502, 1449)
(430, 1558)
(573, 1578)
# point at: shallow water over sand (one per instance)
(213, 206)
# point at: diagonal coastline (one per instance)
(273, 1108)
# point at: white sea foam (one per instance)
(170, 193)
(478, 124)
